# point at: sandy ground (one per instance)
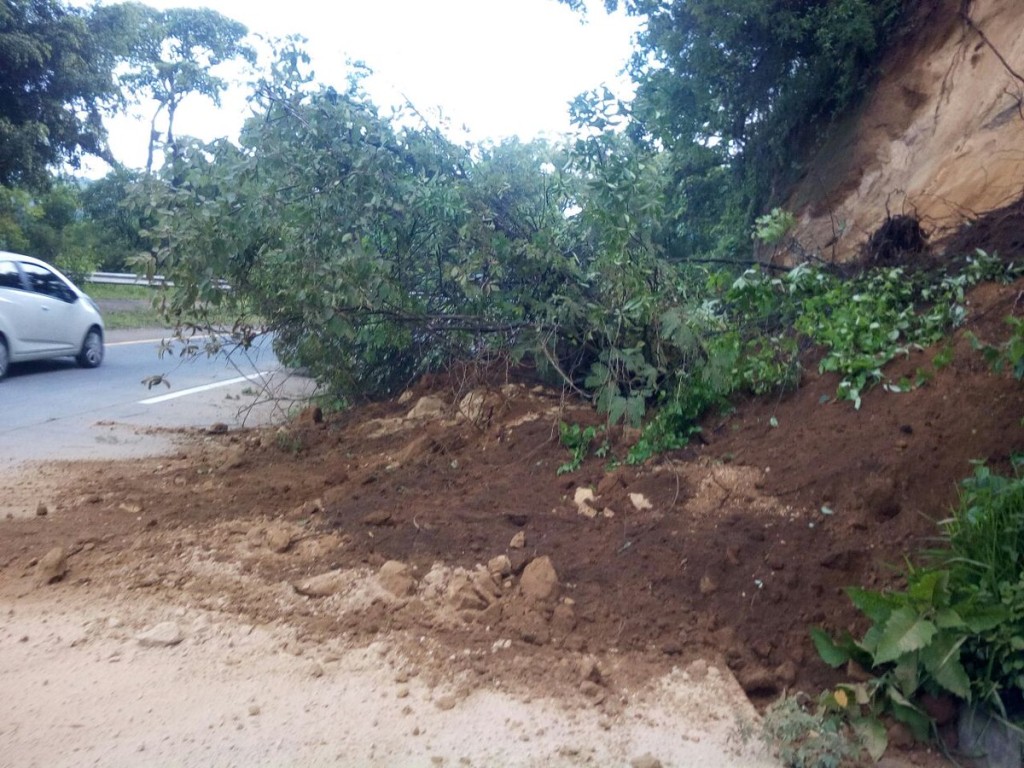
(81, 688)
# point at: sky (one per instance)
(499, 67)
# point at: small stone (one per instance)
(163, 635)
(42, 510)
(640, 502)
(254, 709)
(52, 566)
(217, 428)
(396, 577)
(582, 499)
(645, 761)
(445, 703)
(315, 669)
(428, 407)
(324, 585)
(539, 580)
(518, 541)
(592, 690)
(499, 566)
(279, 538)
(379, 518)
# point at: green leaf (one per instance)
(941, 659)
(925, 583)
(874, 605)
(948, 618)
(906, 673)
(872, 735)
(831, 653)
(904, 632)
(920, 724)
(984, 619)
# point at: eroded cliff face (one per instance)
(940, 138)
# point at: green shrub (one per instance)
(958, 627)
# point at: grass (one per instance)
(134, 309)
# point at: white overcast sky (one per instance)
(500, 67)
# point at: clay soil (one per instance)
(728, 551)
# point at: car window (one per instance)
(42, 280)
(9, 276)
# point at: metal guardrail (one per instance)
(123, 278)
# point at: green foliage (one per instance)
(175, 53)
(374, 249)
(736, 91)
(116, 224)
(805, 737)
(1010, 354)
(48, 224)
(578, 440)
(772, 227)
(56, 80)
(958, 627)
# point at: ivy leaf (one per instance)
(905, 632)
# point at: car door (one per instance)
(19, 311)
(52, 329)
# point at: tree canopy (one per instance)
(174, 54)
(56, 80)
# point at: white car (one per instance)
(43, 315)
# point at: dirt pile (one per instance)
(441, 515)
(939, 138)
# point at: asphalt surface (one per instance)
(57, 410)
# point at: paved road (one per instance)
(54, 409)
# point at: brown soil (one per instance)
(728, 550)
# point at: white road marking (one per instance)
(137, 341)
(203, 388)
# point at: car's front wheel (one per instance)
(92, 349)
(5, 357)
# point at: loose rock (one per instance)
(518, 541)
(445, 703)
(539, 580)
(499, 566)
(428, 407)
(640, 502)
(396, 577)
(324, 585)
(279, 538)
(582, 499)
(52, 566)
(163, 635)
(645, 761)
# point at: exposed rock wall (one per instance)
(940, 137)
